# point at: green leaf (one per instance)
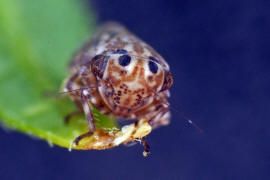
(37, 40)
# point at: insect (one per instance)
(120, 75)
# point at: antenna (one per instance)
(188, 120)
(58, 94)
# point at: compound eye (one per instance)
(124, 60)
(153, 67)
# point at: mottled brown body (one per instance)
(120, 75)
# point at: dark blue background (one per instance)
(219, 56)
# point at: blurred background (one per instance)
(219, 56)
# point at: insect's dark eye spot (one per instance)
(124, 60)
(121, 51)
(153, 59)
(153, 67)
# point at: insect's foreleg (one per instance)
(71, 85)
(146, 147)
(88, 114)
(81, 98)
(87, 110)
(160, 117)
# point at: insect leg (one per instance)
(146, 147)
(79, 138)
(88, 114)
(71, 84)
(144, 143)
(74, 89)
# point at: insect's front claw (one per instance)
(79, 138)
(146, 153)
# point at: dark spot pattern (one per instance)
(119, 93)
(123, 72)
(150, 78)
